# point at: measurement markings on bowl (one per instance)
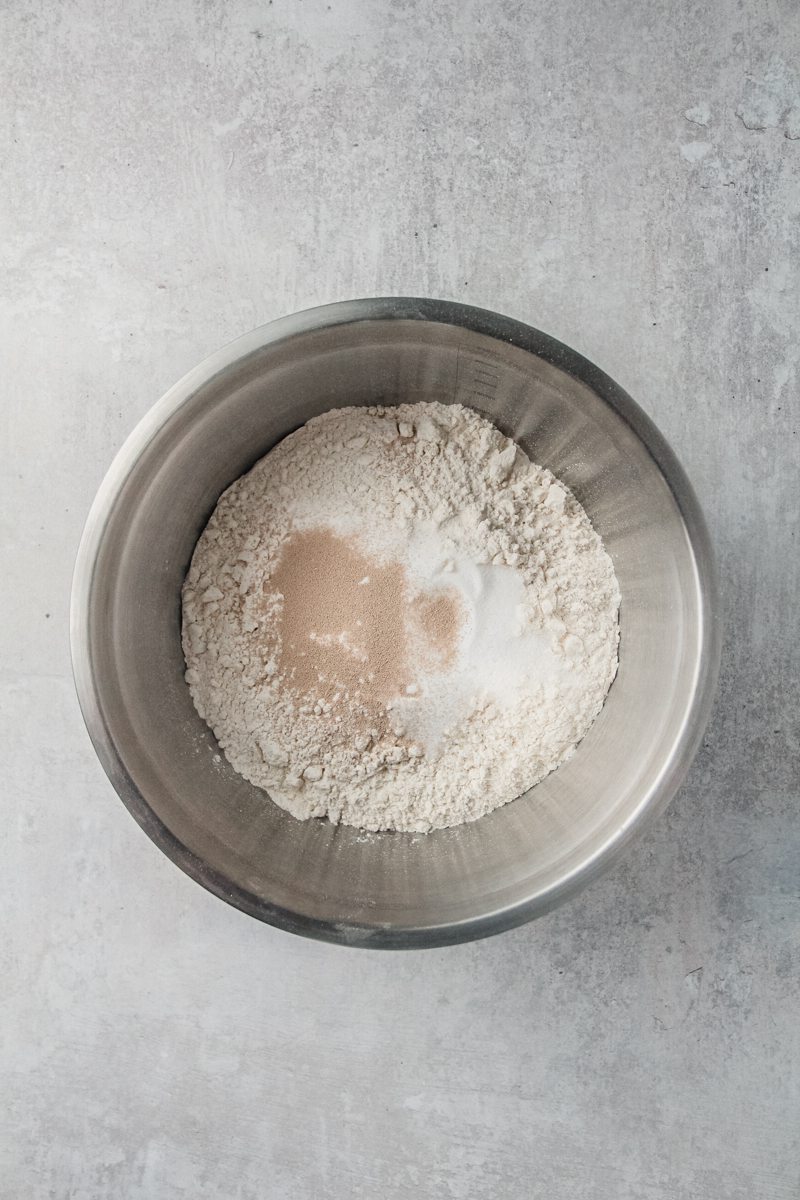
(476, 379)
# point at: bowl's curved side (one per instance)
(505, 330)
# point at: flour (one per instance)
(397, 621)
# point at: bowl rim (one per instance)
(483, 321)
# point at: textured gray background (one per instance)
(624, 174)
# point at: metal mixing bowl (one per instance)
(314, 878)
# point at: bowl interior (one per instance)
(393, 889)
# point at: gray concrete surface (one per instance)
(625, 175)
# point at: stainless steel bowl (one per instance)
(313, 878)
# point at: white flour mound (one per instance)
(440, 490)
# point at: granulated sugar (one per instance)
(397, 621)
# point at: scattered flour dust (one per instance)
(398, 621)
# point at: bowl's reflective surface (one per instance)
(336, 883)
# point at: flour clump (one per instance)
(397, 621)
